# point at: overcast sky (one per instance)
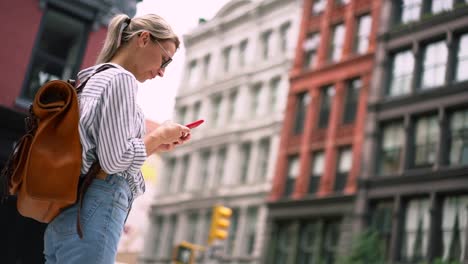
(156, 97)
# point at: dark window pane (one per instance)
(351, 101)
(459, 138)
(426, 138)
(303, 101)
(327, 96)
(245, 155)
(391, 147)
(381, 221)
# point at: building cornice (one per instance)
(218, 25)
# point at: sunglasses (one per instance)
(165, 62)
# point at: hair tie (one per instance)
(125, 25)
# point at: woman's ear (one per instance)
(143, 39)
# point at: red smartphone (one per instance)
(195, 124)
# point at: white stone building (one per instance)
(236, 78)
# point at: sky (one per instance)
(156, 97)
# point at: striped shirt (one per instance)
(112, 125)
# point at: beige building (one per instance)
(236, 78)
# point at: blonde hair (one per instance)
(121, 29)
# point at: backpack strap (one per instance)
(80, 86)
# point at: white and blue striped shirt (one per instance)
(112, 124)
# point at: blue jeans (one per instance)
(106, 205)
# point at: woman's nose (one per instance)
(161, 72)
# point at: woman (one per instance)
(112, 132)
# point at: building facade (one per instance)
(311, 205)
(414, 189)
(44, 40)
(236, 78)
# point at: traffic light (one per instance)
(184, 253)
(219, 223)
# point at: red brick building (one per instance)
(42, 40)
(321, 143)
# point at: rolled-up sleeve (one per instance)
(118, 146)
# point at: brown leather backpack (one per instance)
(44, 168)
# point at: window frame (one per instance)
(71, 11)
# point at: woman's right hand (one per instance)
(166, 136)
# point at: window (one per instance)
(381, 221)
(363, 34)
(192, 73)
(227, 59)
(345, 157)
(337, 43)
(158, 225)
(435, 62)
(184, 172)
(454, 228)
(426, 138)
(327, 95)
(439, 6)
(309, 240)
(196, 111)
(459, 138)
(251, 228)
(58, 52)
(283, 237)
(220, 166)
(170, 174)
(242, 52)
(293, 173)
(410, 10)
(318, 166)
(192, 227)
(173, 221)
(303, 101)
(284, 36)
(318, 6)
(331, 235)
(181, 116)
(204, 169)
(245, 155)
(351, 101)
(232, 105)
(310, 46)
(416, 231)
(255, 99)
(402, 72)
(206, 226)
(206, 65)
(391, 148)
(231, 240)
(264, 154)
(266, 38)
(462, 59)
(274, 89)
(216, 110)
